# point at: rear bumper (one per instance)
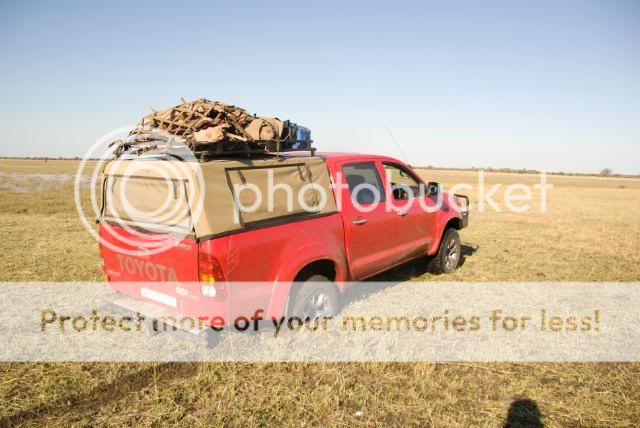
(157, 318)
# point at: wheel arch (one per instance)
(453, 222)
(285, 289)
(324, 267)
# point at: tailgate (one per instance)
(167, 277)
(137, 260)
(147, 233)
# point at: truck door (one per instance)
(369, 234)
(414, 224)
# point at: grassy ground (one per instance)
(591, 232)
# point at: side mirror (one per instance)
(433, 188)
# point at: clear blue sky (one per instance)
(548, 85)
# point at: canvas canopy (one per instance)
(214, 198)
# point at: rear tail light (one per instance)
(212, 281)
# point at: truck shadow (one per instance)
(405, 272)
(467, 250)
(523, 413)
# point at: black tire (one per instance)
(317, 298)
(448, 256)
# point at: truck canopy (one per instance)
(209, 199)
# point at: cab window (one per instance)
(364, 182)
(403, 184)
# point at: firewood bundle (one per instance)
(204, 122)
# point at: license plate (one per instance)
(165, 299)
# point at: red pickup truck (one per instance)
(376, 214)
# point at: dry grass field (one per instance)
(591, 232)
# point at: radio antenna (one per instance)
(396, 143)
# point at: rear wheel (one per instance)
(448, 256)
(317, 298)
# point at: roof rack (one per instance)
(151, 143)
(232, 147)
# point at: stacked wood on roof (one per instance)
(204, 122)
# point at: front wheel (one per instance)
(448, 256)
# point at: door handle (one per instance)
(402, 212)
(360, 220)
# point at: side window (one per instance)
(256, 204)
(364, 182)
(402, 183)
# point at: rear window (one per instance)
(147, 202)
